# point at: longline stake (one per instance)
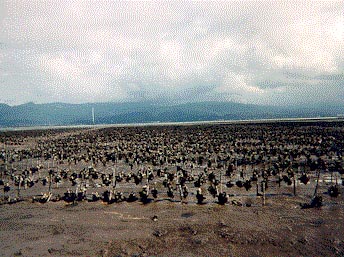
(19, 187)
(316, 186)
(263, 183)
(257, 187)
(50, 180)
(114, 178)
(294, 181)
(221, 180)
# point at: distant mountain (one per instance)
(31, 114)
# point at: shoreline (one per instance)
(183, 123)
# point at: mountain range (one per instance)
(54, 114)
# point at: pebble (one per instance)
(158, 233)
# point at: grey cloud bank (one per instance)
(275, 53)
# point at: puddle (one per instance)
(187, 215)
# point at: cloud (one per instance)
(262, 52)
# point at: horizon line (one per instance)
(181, 123)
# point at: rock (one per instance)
(188, 229)
(158, 233)
(19, 253)
(336, 241)
(303, 240)
(228, 235)
(198, 241)
(336, 249)
(201, 240)
(223, 224)
(236, 202)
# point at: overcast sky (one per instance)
(278, 53)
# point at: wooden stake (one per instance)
(220, 180)
(114, 178)
(331, 178)
(18, 193)
(294, 185)
(263, 193)
(50, 181)
(257, 187)
(177, 180)
(181, 193)
(316, 186)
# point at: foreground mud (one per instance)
(280, 228)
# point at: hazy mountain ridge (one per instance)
(31, 114)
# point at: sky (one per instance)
(256, 52)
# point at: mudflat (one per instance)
(280, 228)
(221, 157)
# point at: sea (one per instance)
(187, 123)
